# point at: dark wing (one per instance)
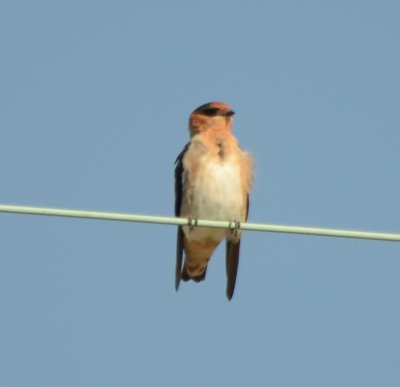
(178, 180)
(179, 257)
(178, 203)
(232, 264)
(232, 260)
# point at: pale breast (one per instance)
(216, 193)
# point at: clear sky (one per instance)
(94, 102)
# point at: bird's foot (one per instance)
(234, 228)
(192, 223)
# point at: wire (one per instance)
(328, 232)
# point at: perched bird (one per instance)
(213, 178)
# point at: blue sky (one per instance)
(95, 97)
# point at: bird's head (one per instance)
(211, 116)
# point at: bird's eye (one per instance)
(210, 112)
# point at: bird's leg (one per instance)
(234, 227)
(192, 223)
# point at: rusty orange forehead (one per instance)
(214, 105)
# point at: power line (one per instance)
(124, 217)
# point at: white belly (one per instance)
(216, 194)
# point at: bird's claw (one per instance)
(192, 223)
(234, 227)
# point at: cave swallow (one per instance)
(213, 178)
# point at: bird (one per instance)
(213, 179)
